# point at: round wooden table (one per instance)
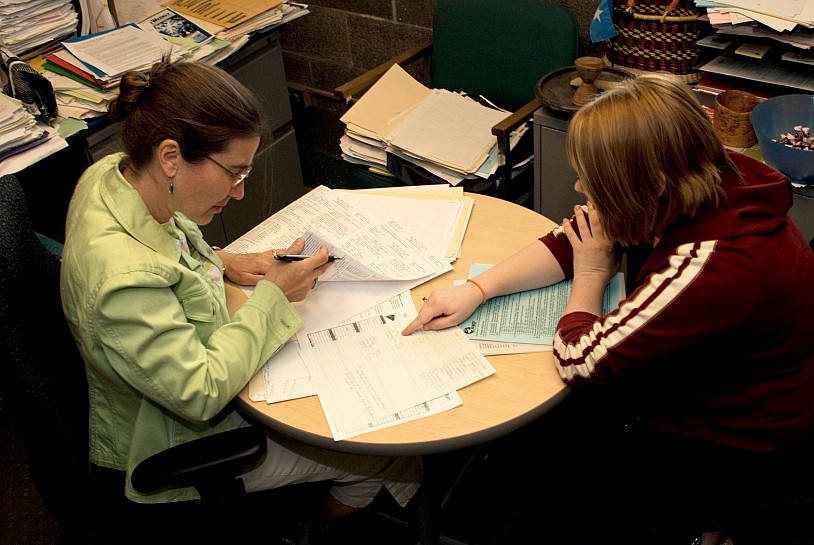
(524, 386)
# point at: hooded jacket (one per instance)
(711, 340)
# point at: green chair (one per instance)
(499, 50)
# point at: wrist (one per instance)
(587, 293)
(222, 255)
(480, 289)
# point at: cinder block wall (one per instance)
(341, 39)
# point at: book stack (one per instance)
(26, 25)
(445, 133)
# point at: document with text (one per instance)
(376, 373)
(317, 215)
(284, 376)
(529, 316)
(370, 250)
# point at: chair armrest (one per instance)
(347, 90)
(503, 129)
(208, 463)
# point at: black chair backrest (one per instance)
(42, 371)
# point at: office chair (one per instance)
(496, 49)
(44, 376)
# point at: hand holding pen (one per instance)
(298, 277)
(290, 258)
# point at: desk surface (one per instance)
(524, 386)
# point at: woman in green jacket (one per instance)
(144, 296)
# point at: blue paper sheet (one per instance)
(531, 316)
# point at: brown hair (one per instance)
(647, 155)
(199, 106)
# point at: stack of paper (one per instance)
(20, 132)
(231, 20)
(352, 328)
(230, 28)
(76, 99)
(781, 15)
(443, 132)
(18, 128)
(100, 60)
(28, 24)
(748, 24)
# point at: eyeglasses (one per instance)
(237, 177)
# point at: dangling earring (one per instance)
(172, 187)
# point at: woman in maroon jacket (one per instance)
(709, 345)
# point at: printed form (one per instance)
(370, 248)
(375, 373)
(530, 316)
(285, 376)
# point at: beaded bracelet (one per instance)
(479, 287)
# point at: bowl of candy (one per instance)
(784, 126)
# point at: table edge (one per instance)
(438, 446)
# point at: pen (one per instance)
(298, 257)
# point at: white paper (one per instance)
(285, 376)
(370, 250)
(448, 129)
(494, 348)
(435, 406)
(378, 372)
(18, 162)
(330, 302)
(431, 221)
(120, 50)
(399, 309)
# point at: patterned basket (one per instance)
(649, 41)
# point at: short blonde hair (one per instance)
(647, 155)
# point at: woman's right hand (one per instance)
(298, 278)
(446, 307)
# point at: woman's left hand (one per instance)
(594, 262)
(594, 255)
(249, 269)
(246, 269)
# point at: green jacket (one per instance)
(162, 357)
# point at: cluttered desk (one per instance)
(496, 394)
(49, 155)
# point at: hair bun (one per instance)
(132, 85)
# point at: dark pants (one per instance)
(618, 482)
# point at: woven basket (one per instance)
(648, 41)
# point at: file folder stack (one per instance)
(26, 25)
(446, 133)
(18, 128)
(100, 60)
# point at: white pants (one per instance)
(358, 479)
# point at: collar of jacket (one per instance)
(127, 206)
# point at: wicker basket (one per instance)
(649, 41)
